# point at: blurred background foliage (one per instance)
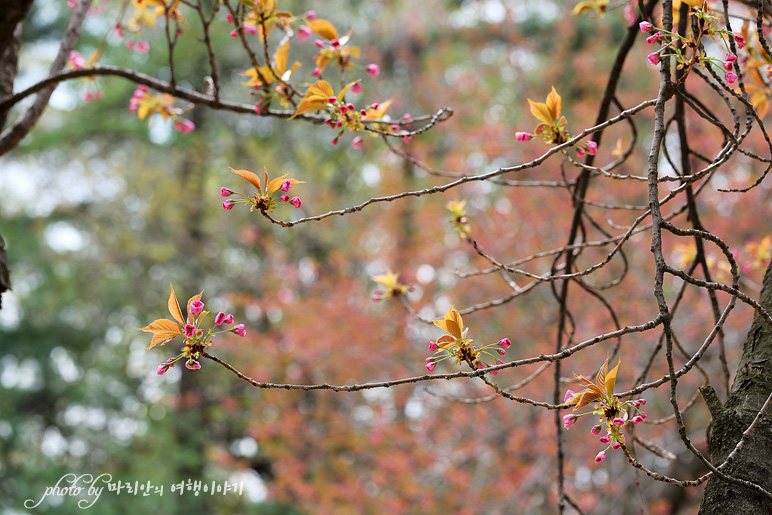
(101, 213)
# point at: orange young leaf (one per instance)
(323, 28)
(377, 114)
(248, 176)
(611, 377)
(554, 103)
(174, 307)
(258, 76)
(163, 329)
(541, 111)
(316, 97)
(276, 183)
(282, 54)
(548, 113)
(445, 341)
(451, 323)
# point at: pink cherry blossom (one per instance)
(219, 319)
(319, 43)
(505, 343)
(357, 142)
(196, 307)
(228, 205)
(569, 394)
(239, 329)
(295, 201)
(142, 47)
(604, 439)
(184, 126)
(731, 78)
(192, 364)
(356, 88)
(286, 185)
(430, 366)
(250, 28)
(433, 346)
(225, 192)
(373, 70)
(118, 31)
(311, 15)
(654, 37)
(637, 419)
(229, 319)
(234, 33)
(616, 445)
(190, 330)
(317, 73)
(592, 148)
(568, 421)
(600, 457)
(229, 18)
(619, 421)
(645, 26)
(303, 33)
(740, 40)
(522, 136)
(284, 198)
(653, 58)
(580, 151)
(595, 430)
(76, 60)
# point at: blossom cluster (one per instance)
(612, 412)
(457, 346)
(275, 192)
(145, 105)
(195, 338)
(670, 48)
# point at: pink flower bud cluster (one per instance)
(613, 438)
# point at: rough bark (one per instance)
(752, 385)
(11, 15)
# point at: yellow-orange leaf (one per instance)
(323, 28)
(162, 329)
(316, 97)
(275, 184)
(248, 176)
(541, 111)
(258, 76)
(449, 326)
(445, 341)
(161, 338)
(161, 325)
(611, 378)
(554, 104)
(282, 54)
(377, 114)
(548, 113)
(454, 315)
(174, 307)
(321, 61)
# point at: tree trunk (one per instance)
(11, 16)
(751, 387)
